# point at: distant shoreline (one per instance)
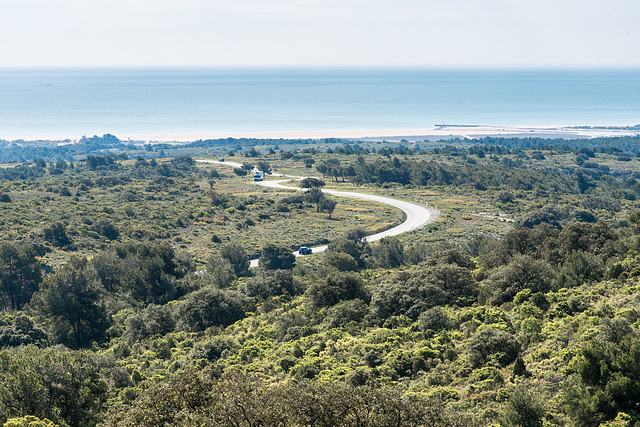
(411, 135)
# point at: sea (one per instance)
(70, 103)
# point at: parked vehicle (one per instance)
(258, 175)
(221, 159)
(305, 250)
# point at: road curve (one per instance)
(416, 215)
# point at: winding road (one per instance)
(416, 215)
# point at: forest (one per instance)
(127, 297)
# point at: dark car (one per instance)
(304, 250)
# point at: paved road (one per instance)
(417, 215)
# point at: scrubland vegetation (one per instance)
(127, 297)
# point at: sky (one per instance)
(320, 33)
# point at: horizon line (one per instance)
(256, 67)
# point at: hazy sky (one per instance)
(398, 33)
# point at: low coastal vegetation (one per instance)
(127, 297)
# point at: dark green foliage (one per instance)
(597, 238)
(404, 293)
(583, 181)
(492, 344)
(237, 257)
(240, 172)
(535, 218)
(504, 197)
(600, 202)
(424, 329)
(94, 162)
(211, 307)
(341, 261)
(450, 256)
(292, 325)
(434, 319)
(585, 151)
(327, 205)
(149, 271)
(349, 247)
(357, 235)
(182, 162)
(311, 183)
(20, 274)
(220, 272)
(272, 283)
(211, 349)
(71, 299)
(67, 387)
(109, 267)
(56, 234)
(520, 369)
(316, 196)
(252, 153)
(335, 288)
(522, 272)
(524, 409)
(387, 253)
(22, 332)
(581, 268)
(584, 216)
(155, 320)
(429, 173)
(608, 374)
(413, 291)
(276, 257)
(536, 242)
(346, 312)
(105, 228)
(263, 166)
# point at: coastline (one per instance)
(411, 135)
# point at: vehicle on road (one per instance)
(305, 250)
(258, 175)
(221, 159)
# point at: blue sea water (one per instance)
(39, 103)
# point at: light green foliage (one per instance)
(29, 421)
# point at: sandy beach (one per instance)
(411, 135)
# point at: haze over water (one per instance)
(124, 102)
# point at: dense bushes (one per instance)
(211, 307)
(244, 401)
(413, 291)
(67, 387)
